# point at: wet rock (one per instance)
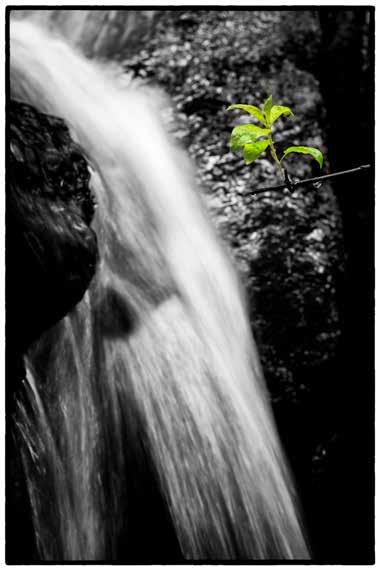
(51, 250)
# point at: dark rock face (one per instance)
(51, 251)
(51, 256)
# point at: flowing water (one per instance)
(154, 375)
(98, 33)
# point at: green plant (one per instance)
(253, 140)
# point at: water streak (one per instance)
(98, 33)
(156, 368)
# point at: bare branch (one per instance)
(292, 185)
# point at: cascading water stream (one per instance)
(155, 370)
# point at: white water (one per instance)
(186, 379)
(98, 33)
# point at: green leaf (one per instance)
(252, 151)
(246, 134)
(267, 108)
(251, 109)
(314, 152)
(276, 112)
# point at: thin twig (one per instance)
(312, 180)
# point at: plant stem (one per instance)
(274, 154)
(275, 157)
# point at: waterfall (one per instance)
(154, 376)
